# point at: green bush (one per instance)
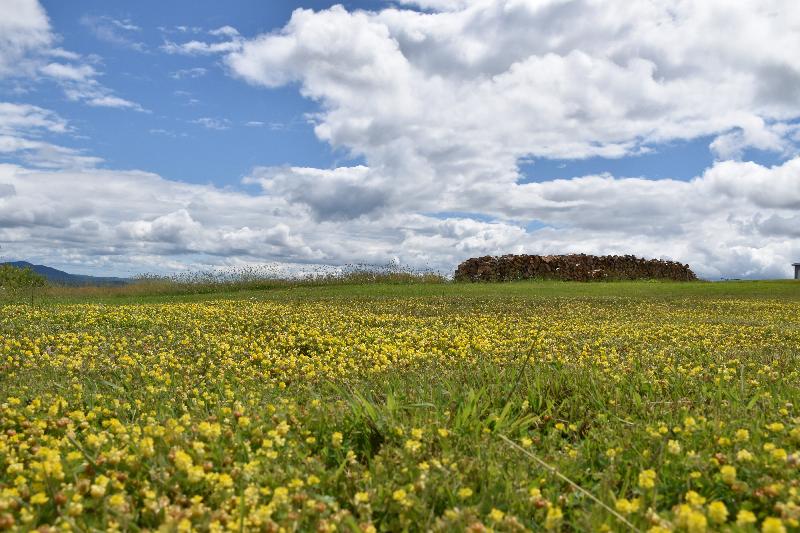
(12, 277)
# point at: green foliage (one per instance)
(12, 277)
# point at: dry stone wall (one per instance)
(572, 267)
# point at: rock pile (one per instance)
(573, 267)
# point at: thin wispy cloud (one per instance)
(224, 31)
(200, 47)
(114, 31)
(195, 72)
(213, 123)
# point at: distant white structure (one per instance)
(796, 270)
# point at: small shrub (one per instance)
(12, 277)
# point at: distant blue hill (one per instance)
(59, 277)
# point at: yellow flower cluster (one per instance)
(382, 413)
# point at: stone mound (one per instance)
(572, 267)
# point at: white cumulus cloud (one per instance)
(27, 51)
(441, 101)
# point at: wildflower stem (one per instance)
(520, 373)
(577, 487)
(89, 458)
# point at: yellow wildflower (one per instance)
(694, 498)
(413, 445)
(696, 522)
(728, 474)
(117, 502)
(772, 525)
(779, 454)
(496, 514)
(717, 512)
(553, 518)
(745, 517)
(401, 496)
(647, 479)
(39, 498)
(673, 447)
(182, 460)
(744, 455)
(626, 506)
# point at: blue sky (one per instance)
(166, 136)
(165, 140)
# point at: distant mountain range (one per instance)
(59, 277)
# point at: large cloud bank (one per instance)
(442, 99)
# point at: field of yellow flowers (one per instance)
(439, 412)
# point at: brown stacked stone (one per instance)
(573, 267)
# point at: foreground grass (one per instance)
(406, 407)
